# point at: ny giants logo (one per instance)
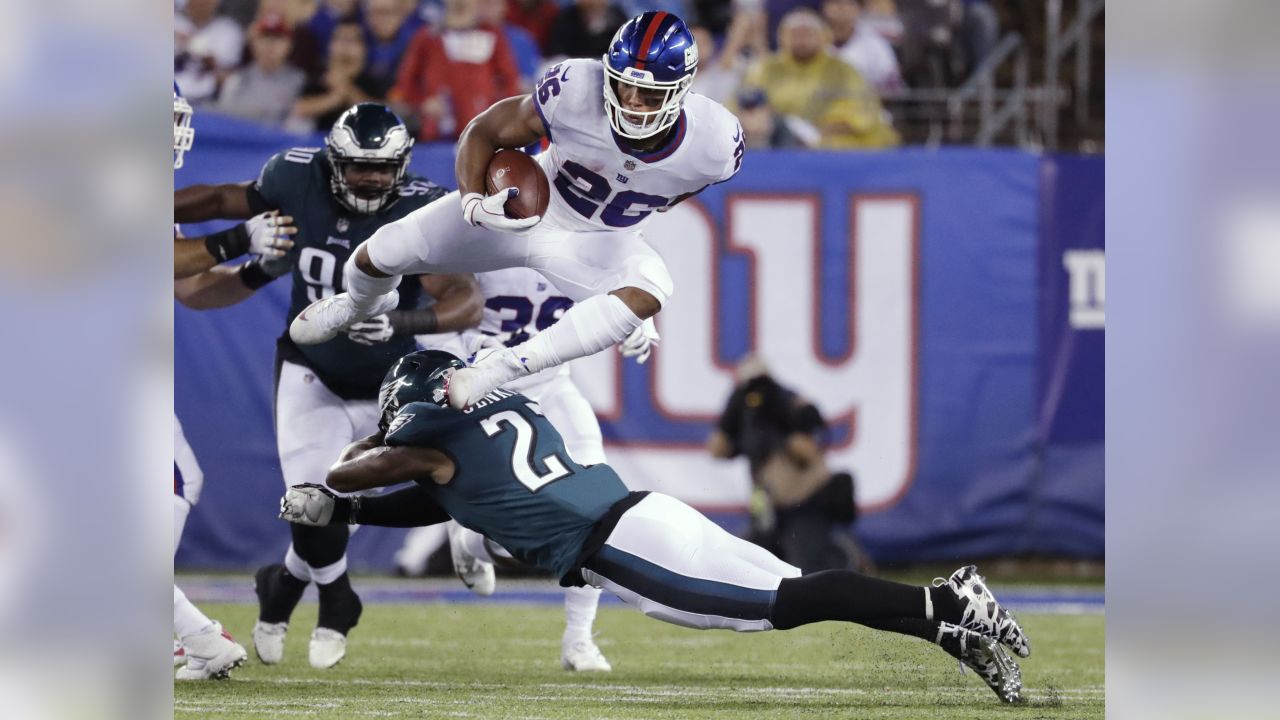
(829, 297)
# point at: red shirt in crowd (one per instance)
(471, 69)
(536, 16)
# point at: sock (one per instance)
(586, 328)
(279, 589)
(187, 618)
(330, 573)
(364, 288)
(319, 546)
(852, 597)
(340, 607)
(915, 627)
(580, 605)
(296, 566)
(473, 544)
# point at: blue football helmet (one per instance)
(652, 51)
(183, 133)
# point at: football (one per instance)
(513, 168)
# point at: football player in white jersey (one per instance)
(519, 304)
(203, 648)
(627, 139)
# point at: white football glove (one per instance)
(641, 342)
(489, 212)
(269, 234)
(308, 504)
(373, 331)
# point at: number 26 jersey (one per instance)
(597, 181)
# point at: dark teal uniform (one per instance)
(297, 182)
(514, 481)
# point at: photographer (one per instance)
(799, 509)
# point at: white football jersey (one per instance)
(518, 304)
(599, 183)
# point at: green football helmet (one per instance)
(421, 376)
(368, 151)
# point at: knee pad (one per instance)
(651, 275)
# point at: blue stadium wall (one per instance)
(1005, 416)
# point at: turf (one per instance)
(502, 661)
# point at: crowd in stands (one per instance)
(800, 73)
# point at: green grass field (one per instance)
(490, 661)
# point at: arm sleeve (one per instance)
(413, 506)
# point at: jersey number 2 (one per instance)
(522, 461)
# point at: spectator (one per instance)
(343, 84)
(207, 46)
(862, 48)
(720, 69)
(527, 53)
(805, 80)
(536, 16)
(389, 28)
(764, 128)
(584, 29)
(307, 54)
(881, 17)
(266, 89)
(452, 74)
(803, 512)
(328, 15)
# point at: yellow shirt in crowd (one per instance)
(828, 93)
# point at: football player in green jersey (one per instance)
(501, 469)
(326, 394)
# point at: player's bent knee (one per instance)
(651, 275)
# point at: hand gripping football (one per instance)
(513, 168)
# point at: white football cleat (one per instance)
(475, 573)
(268, 641)
(583, 656)
(179, 655)
(323, 319)
(328, 647)
(984, 656)
(211, 655)
(467, 385)
(981, 611)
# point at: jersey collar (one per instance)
(663, 151)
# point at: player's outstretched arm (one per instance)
(226, 285)
(382, 466)
(229, 201)
(510, 123)
(459, 303)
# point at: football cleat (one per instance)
(211, 655)
(268, 641)
(583, 656)
(469, 384)
(984, 656)
(475, 573)
(179, 655)
(323, 319)
(981, 611)
(328, 647)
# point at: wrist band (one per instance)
(253, 276)
(230, 243)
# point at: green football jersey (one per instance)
(514, 481)
(297, 182)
